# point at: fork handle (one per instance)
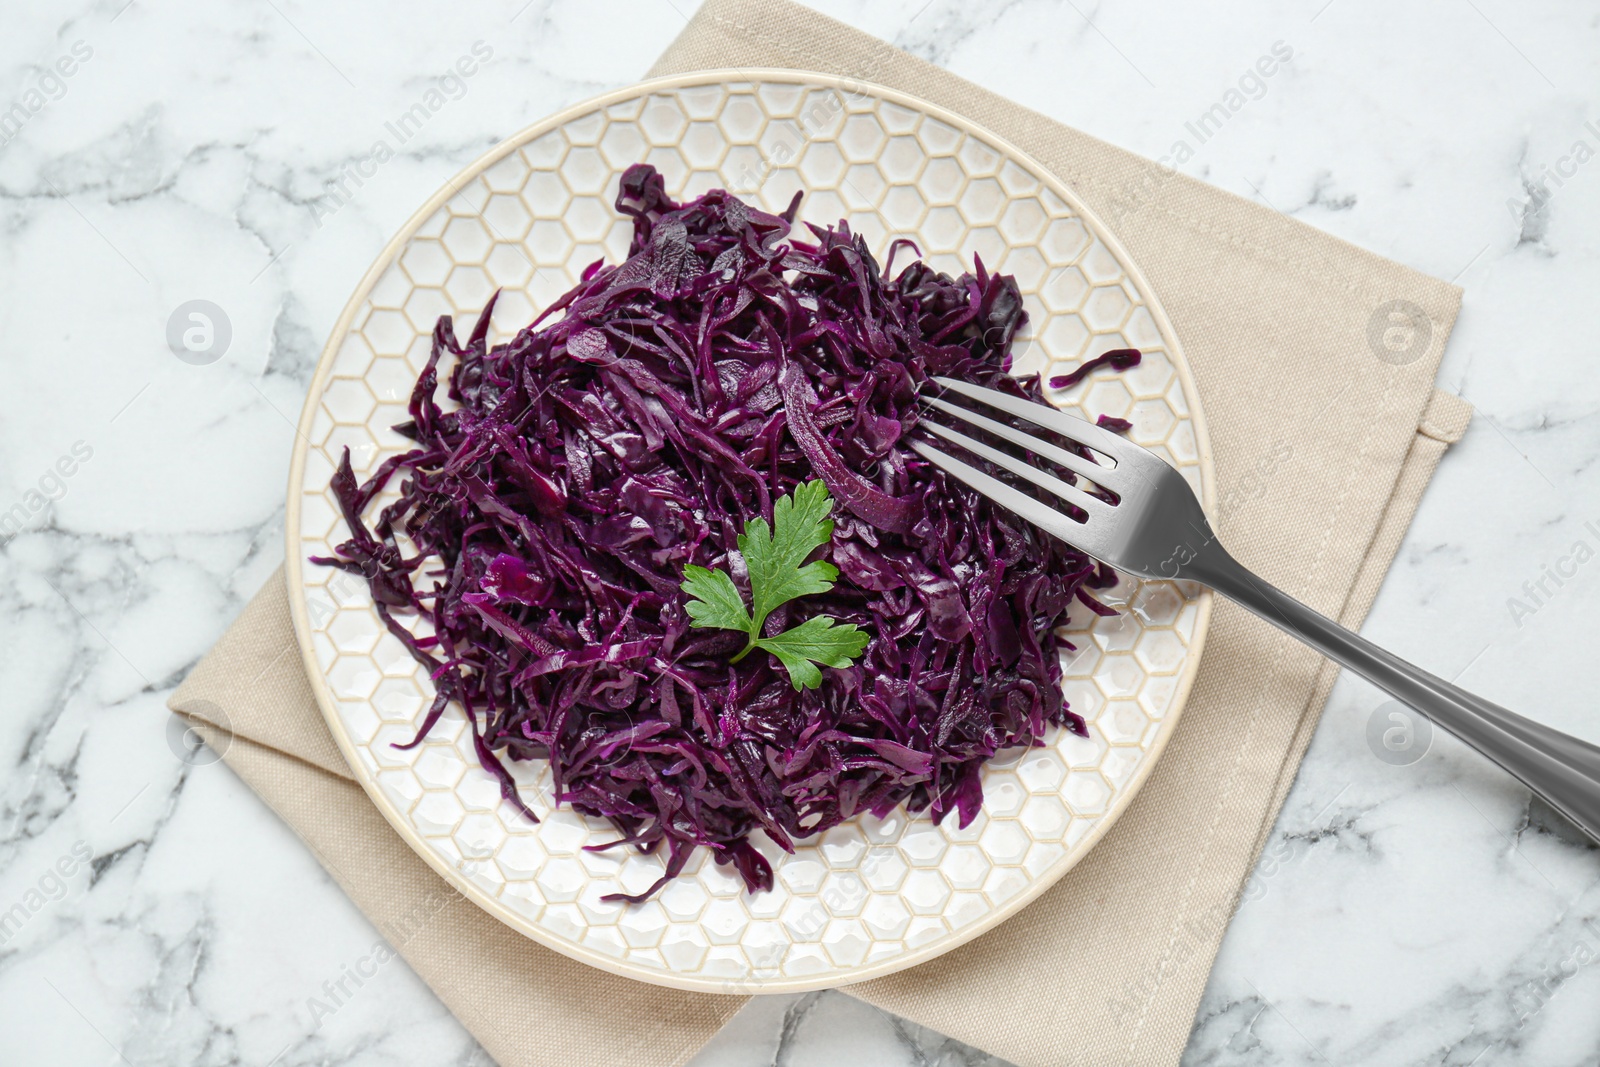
(1562, 769)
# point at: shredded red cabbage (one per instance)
(634, 428)
(1116, 359)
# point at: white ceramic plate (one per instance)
(871, 896)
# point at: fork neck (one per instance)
(1212, 565)
(1216, 568)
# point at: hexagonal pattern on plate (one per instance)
(873, 893)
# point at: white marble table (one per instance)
(1404, 914)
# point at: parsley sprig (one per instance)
(775, 557)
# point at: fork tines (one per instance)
(1053, 419)
(1070, 427)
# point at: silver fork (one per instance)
(1156, 529)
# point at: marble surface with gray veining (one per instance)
(1411, 907)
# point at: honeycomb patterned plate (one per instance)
(871, 896)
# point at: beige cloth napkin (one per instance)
(1322, 452)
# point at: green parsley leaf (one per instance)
(775, 558)
(817, 639)
(715, 601)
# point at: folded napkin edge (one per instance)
(1445, 417)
